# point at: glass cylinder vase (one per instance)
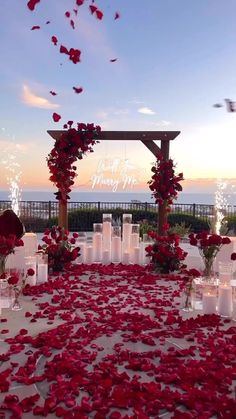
(3, 260)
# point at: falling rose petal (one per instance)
(78, 89)
(56, 117)
(113, 60)
(54, 40)
(35, 27)
(65, 126)
(79, 2)
(64, 50)
(75, 11)
(92, 8)
(117, 16)
(53, 93)
(32, 3)
(99, 14)
(67, 14)
(48, 21)
(72, 24)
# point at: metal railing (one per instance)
(37, 215)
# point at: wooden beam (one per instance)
(144, 136)
(153, 147)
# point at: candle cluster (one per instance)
(220, 298)
(26, 257)
(113, 243)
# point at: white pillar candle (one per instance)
(209, 303)
(30, 243)
(136, 255)
(106, 257)
(106, 235)
(234, 311)
(126, 233)
(89, 254)
(82, 257)
(134, 240)
(225, 301)
(126, 258)
(16, 260)
(42, 272)
(116, 249)
(97, 247)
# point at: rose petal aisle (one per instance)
(112, 342)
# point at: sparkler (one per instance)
(13, 176)
(220, 203)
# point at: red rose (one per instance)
(30, 272)
(226, 240)
(13, 280)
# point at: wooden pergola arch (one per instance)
(147, 138)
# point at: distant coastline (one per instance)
(184, 198)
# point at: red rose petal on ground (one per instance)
(56, 117)
(35, 27)
(78, 89)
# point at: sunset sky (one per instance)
(174, 60)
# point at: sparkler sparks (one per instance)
(220, 203)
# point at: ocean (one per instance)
(183, 198)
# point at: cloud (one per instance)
(146, 111)
(162, 123)
(30, 99)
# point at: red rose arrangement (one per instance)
(59, 247)
(166, 255)
(208, 246)
(73, 144)
(164, 183)
(8, 244)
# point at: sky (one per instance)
(174, 59)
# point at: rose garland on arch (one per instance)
(164, 183)
(71, 145)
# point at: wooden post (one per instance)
(63, 217)
(162, 213)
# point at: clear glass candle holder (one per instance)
(127, 218)
(97, 228)
(135, 229)
(116, 231)
(225, 273)
(209, 299)
(106, 218)
(42, 267)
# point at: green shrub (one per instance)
(195, 224)
(230, 221)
